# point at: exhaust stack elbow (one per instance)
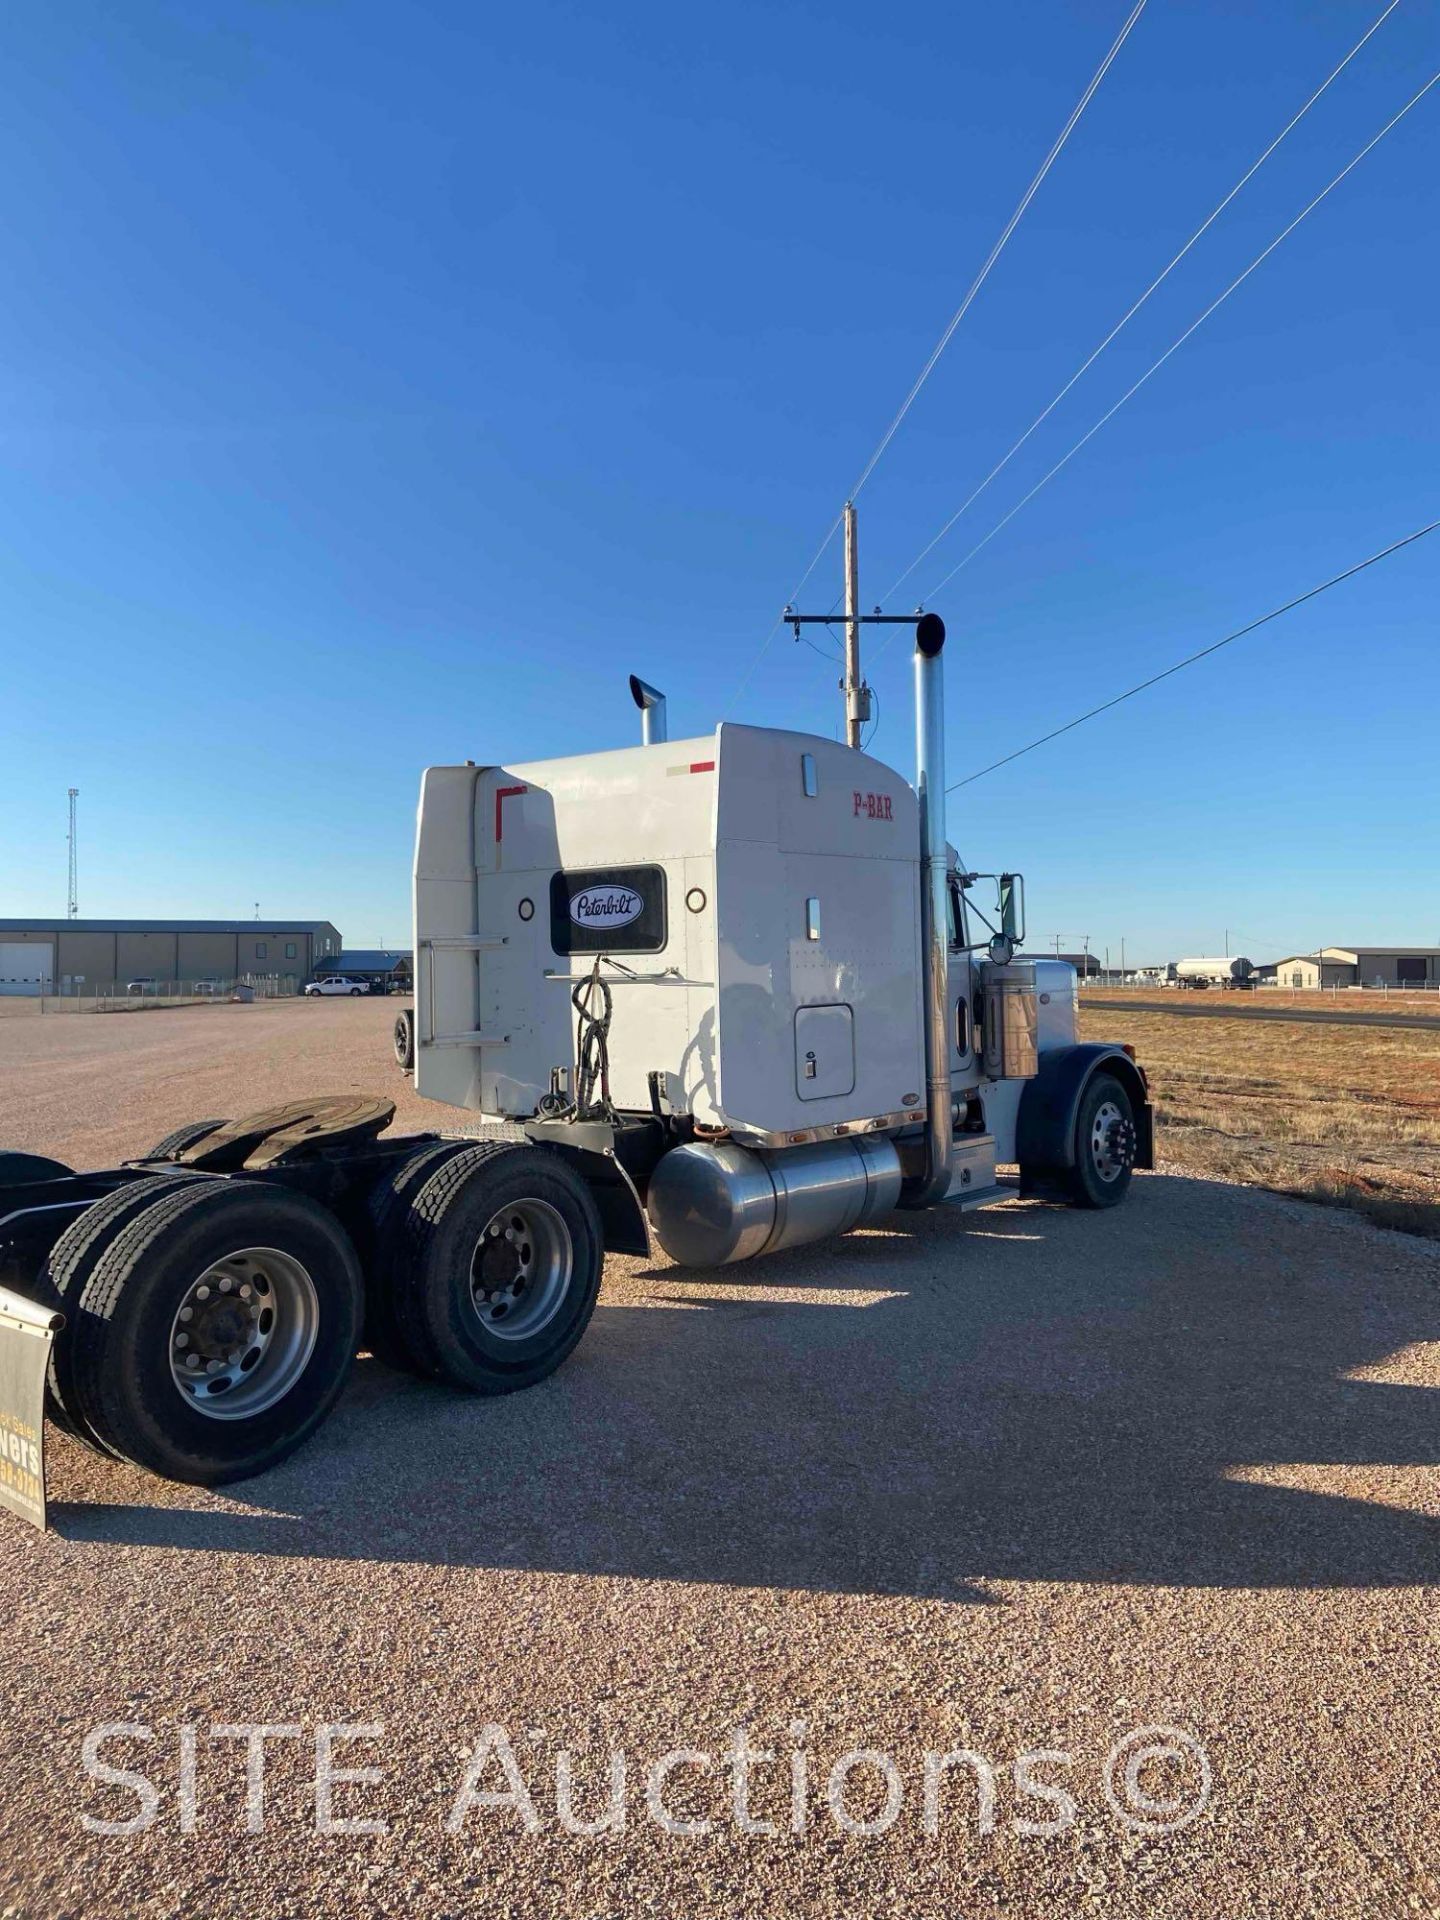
(934, 906)
(651, 703)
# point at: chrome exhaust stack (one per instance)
(934, 908)
(651, 703)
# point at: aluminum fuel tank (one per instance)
(711, 1204)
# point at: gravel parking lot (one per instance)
(1024, 1483)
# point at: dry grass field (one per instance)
(1329, 1111)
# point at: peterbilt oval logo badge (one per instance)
(605, 906)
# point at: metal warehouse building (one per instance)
(89, 956)
(1361, 967)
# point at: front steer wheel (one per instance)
(405, 1040)
(215, 1329)
(495, 1265)
(1105, 1145)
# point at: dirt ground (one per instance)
(1042, 1487)
(1315, 1104)
(94, 1088)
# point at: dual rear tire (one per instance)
(211, 1323)
(485, 1265)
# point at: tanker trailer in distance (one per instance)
(1232, 975)
(732, 992)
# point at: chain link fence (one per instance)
(144, 995)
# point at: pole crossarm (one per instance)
(798, 620)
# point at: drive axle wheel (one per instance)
(497, 1266)
(244, 1332)
(215, 1329)
(174, 1144)
(66, 1274)
(520, 1270)
(389, 1206)
(1105, 1144)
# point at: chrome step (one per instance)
(976, 1197)
(972, 1167)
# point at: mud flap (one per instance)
(26, 1331)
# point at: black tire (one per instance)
(356, 992)
(405, 1040)
(440, 1240)
(63, 1278)
(186, 1136)
(384, 1257)
(1105, 1143)
(122, 1334)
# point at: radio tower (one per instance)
(72, 908)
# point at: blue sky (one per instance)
(380, 385)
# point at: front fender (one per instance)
(1045, 1126)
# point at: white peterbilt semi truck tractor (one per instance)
(728, 995)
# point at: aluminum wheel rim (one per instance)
(1107, 1141)
(244, 1333)
(520, 1270)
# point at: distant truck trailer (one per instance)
(1232, 975)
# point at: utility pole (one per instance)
(857, 694)
(72, 904)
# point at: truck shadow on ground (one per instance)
(1025, 1394)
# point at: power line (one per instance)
(1176, 344)
(1159, 279)
(999, 246)
(764, 647)
(1190, 659)
(825, 653)
(944, 340)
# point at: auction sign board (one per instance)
(26, 1331)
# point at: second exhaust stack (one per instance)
(651, 703)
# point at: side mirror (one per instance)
(1001, 950)
(1012, 907)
